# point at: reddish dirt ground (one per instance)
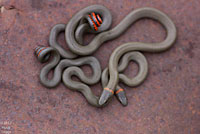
(168, 102)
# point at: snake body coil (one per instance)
(44, 53)
(137, 46)
(138, 79)
(53, 41)
(97, 19)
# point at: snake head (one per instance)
(42, 53)
(121, 96)
(105, 96)
(94, 21)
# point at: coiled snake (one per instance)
(97, 19)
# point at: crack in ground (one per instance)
(10, 7)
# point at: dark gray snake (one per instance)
(97, 19)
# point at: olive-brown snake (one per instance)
(80, 24)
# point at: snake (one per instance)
(97, 19)
(136, 46)
(43, 55)
(104, 34)
(70, 67)
(138, 79)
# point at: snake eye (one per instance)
(41, 56)
(95, 21)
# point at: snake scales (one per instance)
(97, 19)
